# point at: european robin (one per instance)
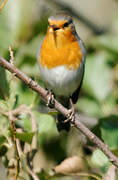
(61, 59)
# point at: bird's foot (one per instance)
(71, 113)
(50, 101)
(70, 116)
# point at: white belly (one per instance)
(62, 81)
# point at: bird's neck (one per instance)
(60, 49)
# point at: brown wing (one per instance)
(75, 95)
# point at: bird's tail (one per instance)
(61, 125)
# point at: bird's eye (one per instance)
(66, 24)
(54, 27)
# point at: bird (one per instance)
(61, 58)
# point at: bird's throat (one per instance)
(60, 48)
(58, 39)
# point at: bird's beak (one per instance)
(51, 29)
(53, 32)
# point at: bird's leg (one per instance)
(50, 97)
(71, 113)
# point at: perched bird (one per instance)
(61, 59)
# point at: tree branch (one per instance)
(43, 93)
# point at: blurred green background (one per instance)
(23, 24)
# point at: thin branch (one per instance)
(111, 173)
(18, 143)
(2, 5)
(84, 174)
(13, 128)
(11, 56)
(34, 176)
(43, 93)
(24, 160)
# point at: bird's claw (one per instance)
(71, 113)
(70, 116)
(50, 99)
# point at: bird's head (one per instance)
(61, 45)
(60, 25)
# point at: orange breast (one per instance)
(60, 49)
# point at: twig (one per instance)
(18, 144)
(31, 154)
(24, 160)
(84, 174)
(111, 174)
(2, 5)
(35, 129)
(15, 144)
(43, 93)
(34, 176)
(11, 56)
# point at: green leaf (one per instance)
(16, 101)
(4, 87)
(26, 55)
(99, 159)
(108, 42)
(2, 139)
(89, 106)
(46, 126)
(109, 131)
(20, 123)
(46, 123)
(9, 23)
(109, 105)
(97, 79)
(27, 124)
(25, 95)
(25, 136)
(4, 124)
(3, 150)
(3, 105)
